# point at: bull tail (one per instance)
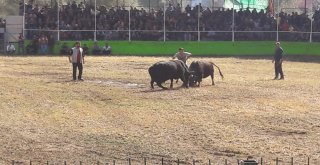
(218, 69)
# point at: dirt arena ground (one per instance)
(113, 114)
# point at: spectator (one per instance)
(106, 50)
(2, 23)
(21, 44)
(64, 49)
(10, 48)
(51, 43)
(85, 49)
(30, 49)
(43, 41)
(96, 50)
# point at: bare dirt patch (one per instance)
(113, 114)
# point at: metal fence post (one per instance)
(233, 10)
(164, 22)
(199, 22)
(278, 22)
(310, 40)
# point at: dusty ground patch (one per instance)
(113, 114)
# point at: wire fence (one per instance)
(167, 21)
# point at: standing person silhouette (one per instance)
(77, 60)
(182, 55)
(277, 60)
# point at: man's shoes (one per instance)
(281, 78)
(275, 78)
(80, 79)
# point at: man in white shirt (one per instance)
(10, 48)
(182, 55)
(106, 49)
(77, 60)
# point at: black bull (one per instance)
(169, 70)
(201, 69)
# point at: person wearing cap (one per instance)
(77, 60)
(277, 60)
(182, 55)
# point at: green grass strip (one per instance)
(203, 48)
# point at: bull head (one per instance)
(192, 79)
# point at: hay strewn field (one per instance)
(113, 114)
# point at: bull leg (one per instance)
(199, 81)
(171, 83)
(185, 84)
(212, 79)
(160, 85)
(151, 83)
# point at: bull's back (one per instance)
(207, 68)
(162, 71)
(201, 68)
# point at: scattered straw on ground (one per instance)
(113, 114)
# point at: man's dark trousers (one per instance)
(278, 69)
(80, 67)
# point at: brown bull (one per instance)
(200, 70)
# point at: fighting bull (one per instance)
(200, 70)
(169, 70)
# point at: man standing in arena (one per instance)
(277, 60)
(182, 55)
(77, 60)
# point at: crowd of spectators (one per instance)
(77, 22)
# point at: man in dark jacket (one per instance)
(277, 60)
